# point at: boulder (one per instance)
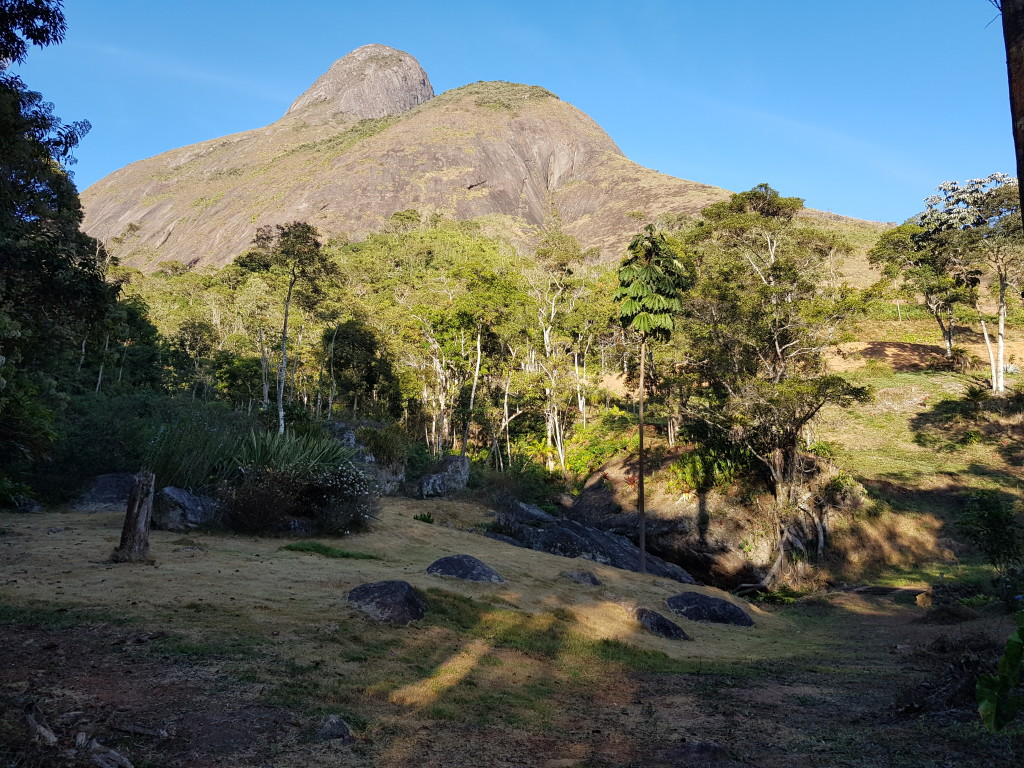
(657, 624)
(529, 513)
(698, 607)
(175, 509)
(569, 538)
(334, 728)
(464, 567)
(582, 577)
(107, 493)
(451, 477)
(395, 602)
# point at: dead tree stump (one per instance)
(134, 547)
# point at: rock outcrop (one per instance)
(371, 82)
(569, 538)
(175, 509)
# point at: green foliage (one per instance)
(991, 520)
(304, 456)
(999, 697)
(704, 468)
(324, 550)
(424, 517)
(389, 445)
(651, 279)
(590, 447)
(196, 450)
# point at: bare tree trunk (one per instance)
(641, 510)
(264, 369)
(283, 370)
(134, 546)
(472, 396)
(988, 346)
(1001, 340)
(1013, 37)
(103, 360)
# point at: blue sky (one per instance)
(860, 108)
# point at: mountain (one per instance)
(369, 138)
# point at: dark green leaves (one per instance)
(651, 282)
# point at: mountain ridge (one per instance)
(366, 141)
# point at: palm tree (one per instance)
(651, 279)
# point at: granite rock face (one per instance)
(175, 509)
(373, 81)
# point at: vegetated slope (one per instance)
(356, 148)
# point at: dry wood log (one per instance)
(134, 547)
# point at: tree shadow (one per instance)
(976, 417)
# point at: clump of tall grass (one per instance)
(196, 451)
(304, 455)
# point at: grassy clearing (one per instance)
(325, 550)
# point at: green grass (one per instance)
(46, 617)
(316, 548)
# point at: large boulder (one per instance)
(107, 493)
(657, 624)
(697, 607)
(451, 477)
(569, 538)
(394, 602)
(464, 567)
(175, 509)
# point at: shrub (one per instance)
(388, 445)
(305, 455)
(992, 523)
(262, 502)
(424, 517)
(703, 469)
(196, 450)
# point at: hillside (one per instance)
(369, 139)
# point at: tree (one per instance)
(758, 315)
(908, 259)
(651, 279)
(976, 226)
(52, 290)
(295, 251)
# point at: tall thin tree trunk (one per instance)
(1001, 340)
(282, 373)
(641, 509)
(472, 396)
(103, 360)
(988, 346)
(264, 368)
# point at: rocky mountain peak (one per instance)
(371, 82)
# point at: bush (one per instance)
(197, 450)
(991, 520)
(305, 455)
(388, 445)
(703, 469)
(263, 502)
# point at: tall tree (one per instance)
(651, 279)
(295, 251)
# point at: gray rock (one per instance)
(657, 624)
(334, 728)
(505, 539)
(571, 539)
(529, 513)
(698, 607)
(464, 567)
(582, 577)
(450, 478)
(107, 493)
(175, 509)
(395, 602)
